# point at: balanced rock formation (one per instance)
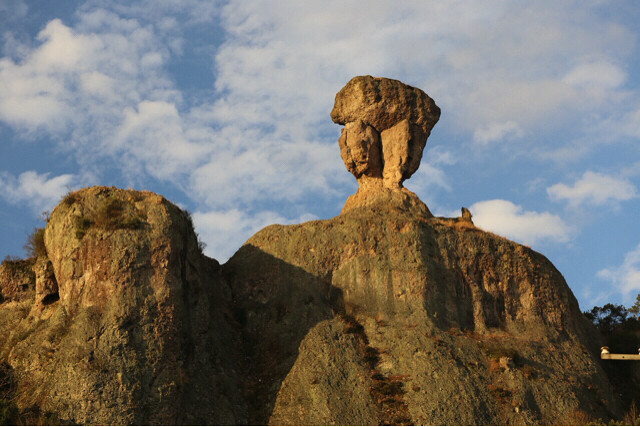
(381, 315)
(387, 315)
(387, 124)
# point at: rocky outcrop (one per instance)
(128, 324)
(387, 315)
(436, 307)
(17, 279)
(387, 124)
(381, 315)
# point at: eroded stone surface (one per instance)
(386, 127)
(382, 103)
(430, 309)
(130, 321)
(46, 285)
(360, 149)
(17, 279)
(402, 147)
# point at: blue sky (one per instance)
(223, 107)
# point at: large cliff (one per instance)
(381, 315)
(384, 315)
(134, 330)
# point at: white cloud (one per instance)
(101, 90)
(507, 219)
(600, 74)
(36, 190)
(431, 172)
(101, 87)
(629, 125)
(626, 277)
(225, 231)
(497, 131)
(594, 188)
(155, 135)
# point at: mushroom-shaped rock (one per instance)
(387, 124)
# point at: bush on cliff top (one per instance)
(34, 247)
(112, 213)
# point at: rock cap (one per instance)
(382, 103)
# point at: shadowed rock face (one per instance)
(387, 124)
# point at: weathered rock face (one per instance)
(442, 323)
(360, 150)
(383, 314)
(137, 332)
(387, 124)
(17, 279)
(387, 315)
(46, 284)
(383, 103)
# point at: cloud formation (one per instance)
(510, 220)
(36, 190)
(100, 87)
(626, 276)
(594, 189)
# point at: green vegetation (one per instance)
(496, 351)
(201, 245)
(13, 265)
(611, 318)
(112, 213)
(82, 224)
(619, 329)
(34, 247)
(8, 409)
(69, 199)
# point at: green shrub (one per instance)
(113, 214)
(34, 247)
(496, 351)
(201, 245)
(11, 264)
(69, 199)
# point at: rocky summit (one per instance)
(383, 315)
